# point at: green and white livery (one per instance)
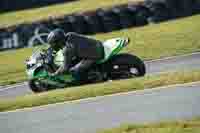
(115, 65)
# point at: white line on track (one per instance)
(173, 57)
(101, 97)
(11, 86)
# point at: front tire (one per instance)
(125, 66)
(35, 86)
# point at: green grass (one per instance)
(149, 42)
(94, 90)
(192, 126)
(30, 15)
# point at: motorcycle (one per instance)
(113, 66)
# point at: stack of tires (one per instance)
(158, 11)
(125, 16)
(109, 20)
(93, 22)
(141, 14)
(174, 8)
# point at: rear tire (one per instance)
(126, 66)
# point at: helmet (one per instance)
(56, 39)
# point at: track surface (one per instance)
(86, 116)
(187, 62)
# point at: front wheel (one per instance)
(36, 86)
(125, 66)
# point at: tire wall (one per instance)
(101, 20)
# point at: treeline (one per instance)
(14, 5)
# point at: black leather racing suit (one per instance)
(87, 49)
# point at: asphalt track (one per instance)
(185, 62)
(88, 115)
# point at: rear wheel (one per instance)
(125, 66)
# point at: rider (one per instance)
(74, 45)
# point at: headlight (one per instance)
(28, 66)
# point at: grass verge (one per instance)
(192, 126)
(31, 15)
(94, 90)
(149, 42)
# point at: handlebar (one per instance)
(47, 56)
